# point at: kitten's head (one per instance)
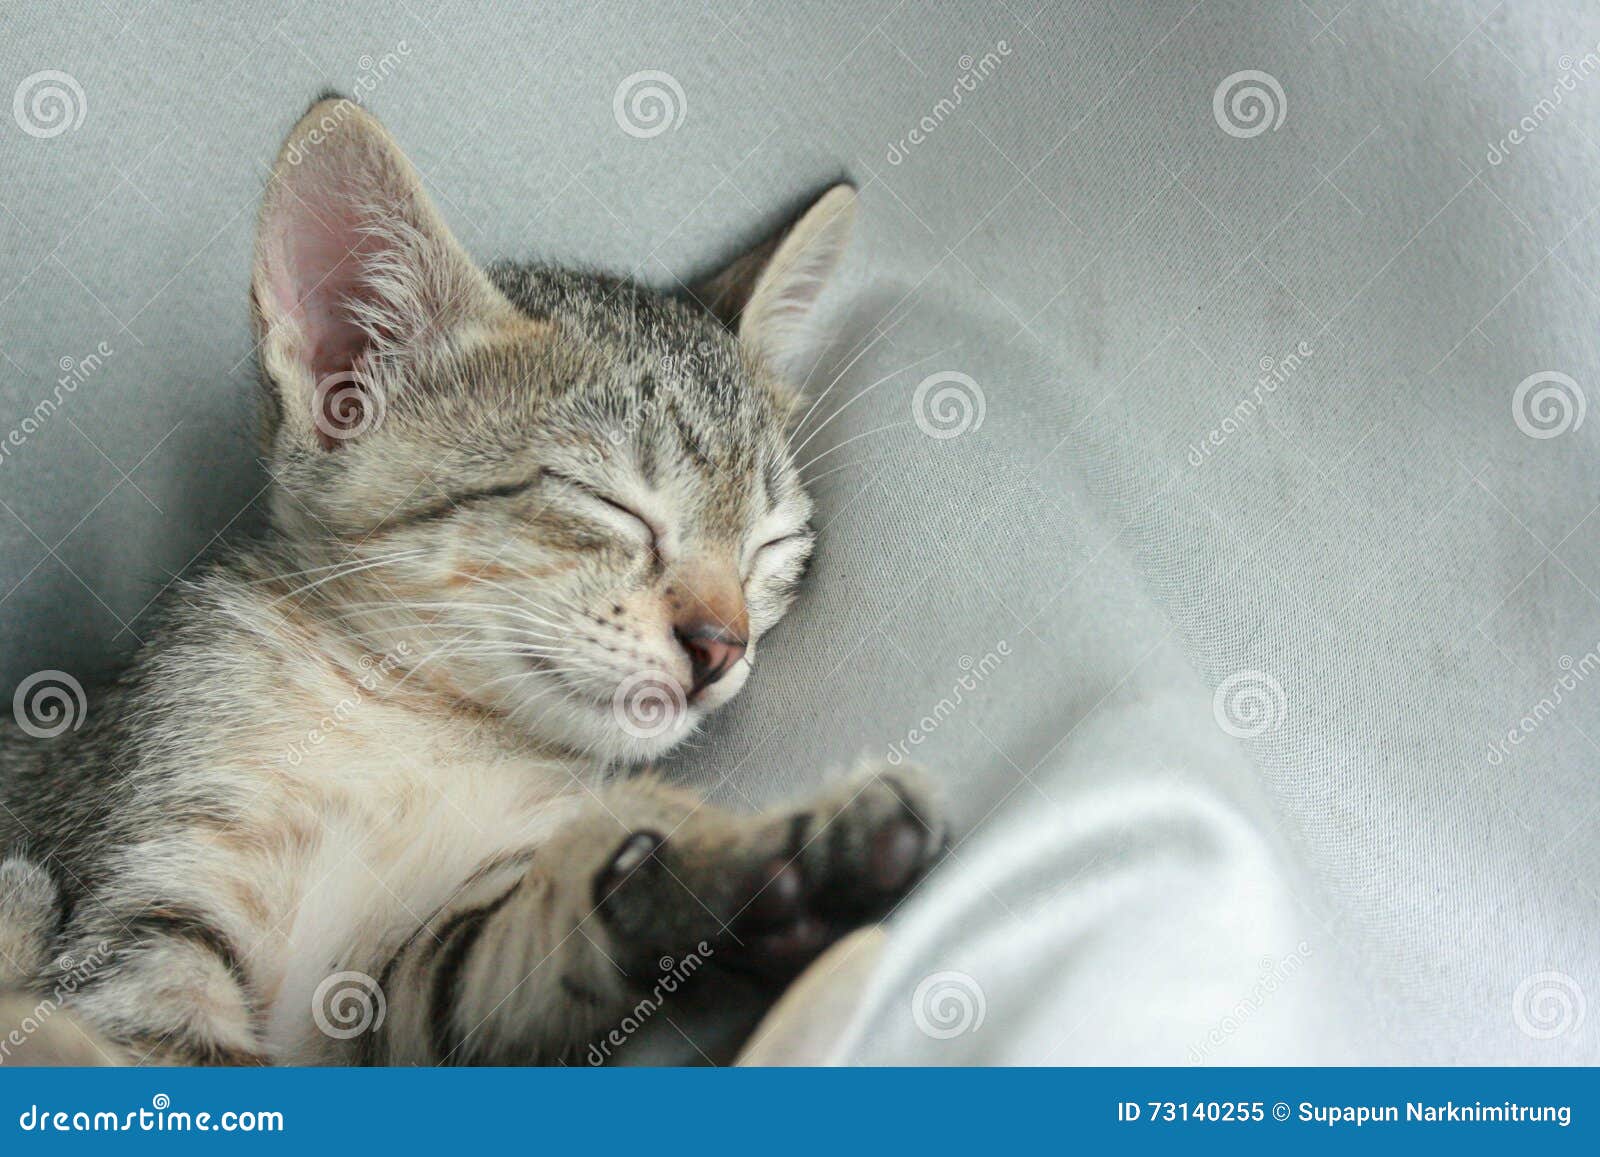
(565, 499)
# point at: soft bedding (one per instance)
(1204, 484)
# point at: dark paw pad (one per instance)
(637, 850)
(847, 865)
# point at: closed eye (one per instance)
(505, 490)
(779, 541)
(450, 504)
(774, 550)
(640, 521)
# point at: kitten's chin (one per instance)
(639, 718)
(630, 749)
(630, 744)
(650, 723)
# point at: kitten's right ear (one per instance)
(353, 267)
(767, 294)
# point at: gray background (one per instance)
(1380, 539)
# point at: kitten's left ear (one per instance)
(767, 294)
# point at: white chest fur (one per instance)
(389, 815)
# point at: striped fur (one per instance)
(354, 802)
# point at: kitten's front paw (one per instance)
(771, 892)
(847, 861)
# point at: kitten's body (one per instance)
(376, 740)
(198, 791)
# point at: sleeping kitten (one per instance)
(526, 525)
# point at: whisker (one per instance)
(528, 674)
(841, 445)
(812, 409)
(513, 593)
(485, 651)
(436, 606)
(338, 574)
(390, 557)
(823, 425)
(868, 460)
(524, 633)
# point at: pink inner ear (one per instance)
(321, 255)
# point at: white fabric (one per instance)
(1365, 877)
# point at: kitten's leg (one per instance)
(34, 1027)
(30, 914)
(120, 979)
(536, 957)
(164, 981)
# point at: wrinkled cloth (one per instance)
(1212, 510)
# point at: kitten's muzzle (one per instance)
(712, 651)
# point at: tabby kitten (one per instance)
(526, 525)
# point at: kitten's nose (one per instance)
(712, 651)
